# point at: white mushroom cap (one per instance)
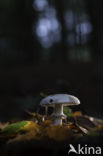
(64, 99)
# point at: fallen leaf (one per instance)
(58, 133)
(78, 113)
(46, 123)
(3, 125)
(20, 127)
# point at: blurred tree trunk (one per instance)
(95, 11)
(63, 48)
(27, 39)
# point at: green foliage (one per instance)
(15, 127)
(67, 111)
(43, 94)
(94, 133)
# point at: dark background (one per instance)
(50, 46)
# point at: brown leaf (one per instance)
(24, 137)
(78, 113)
(84, 122)
(58, 133)
(3, 125)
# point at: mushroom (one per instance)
(58, 101)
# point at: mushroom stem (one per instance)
(58, 109)
(57, 121)
(46, 110)
(57, 101)
(58, 114)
